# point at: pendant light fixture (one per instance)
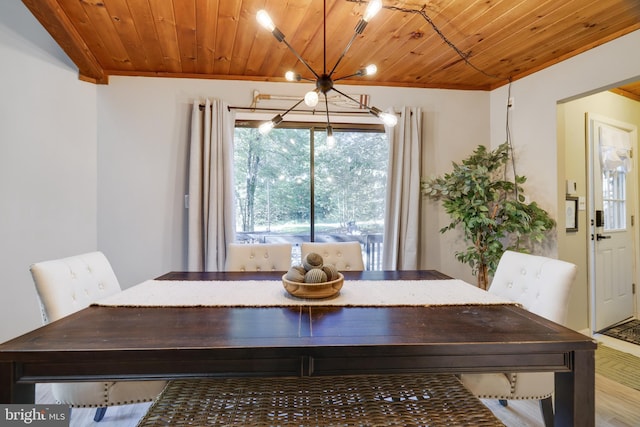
(324, 81)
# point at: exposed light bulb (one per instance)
(265, 20)
(265, 127)
(388, 119)
(331, 140)
(372, 9)
(370, 69)
(311, 98)
(290, 76)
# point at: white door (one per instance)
(612, 207)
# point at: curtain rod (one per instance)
(266, 109)
(313, 112)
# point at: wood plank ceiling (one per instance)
(631, 90)
(222, 40)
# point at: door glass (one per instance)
(271, 185)
(292, 186)
(614, 200)
(350, 186)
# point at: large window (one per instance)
(290, 186)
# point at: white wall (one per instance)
(534, 125)
(143, 128)
(47, 162)
(533, 122)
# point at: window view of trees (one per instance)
(290, 186)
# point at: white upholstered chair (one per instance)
(65, 286)
(258, 257)
(345, 256)
(542, 286)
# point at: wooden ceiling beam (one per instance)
(56, 22)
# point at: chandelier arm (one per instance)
(300, 58)
(326, 107)
(353, 99)
(387, 118)
(344, 52)
(346, 77)
(294, 106)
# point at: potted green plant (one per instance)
(491, 210)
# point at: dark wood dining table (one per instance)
(132, 343)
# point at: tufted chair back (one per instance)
(258, 257)
(345, 256)
(542, 286)
(539, 284)
(65, 286)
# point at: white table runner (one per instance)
(258, 293)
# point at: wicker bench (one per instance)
(391, 400)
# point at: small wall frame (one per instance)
(571, 213)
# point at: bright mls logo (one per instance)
(34, 415)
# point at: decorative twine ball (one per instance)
(300, 269)
(312, 260)
(295, 275)
(315, 275)
(331, 271)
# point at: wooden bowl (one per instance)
(314, 290)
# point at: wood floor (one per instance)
(616, 406)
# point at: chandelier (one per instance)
(324, 81)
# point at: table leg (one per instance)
(575, 392)
(10, 390)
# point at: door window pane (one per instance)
(614, 200)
